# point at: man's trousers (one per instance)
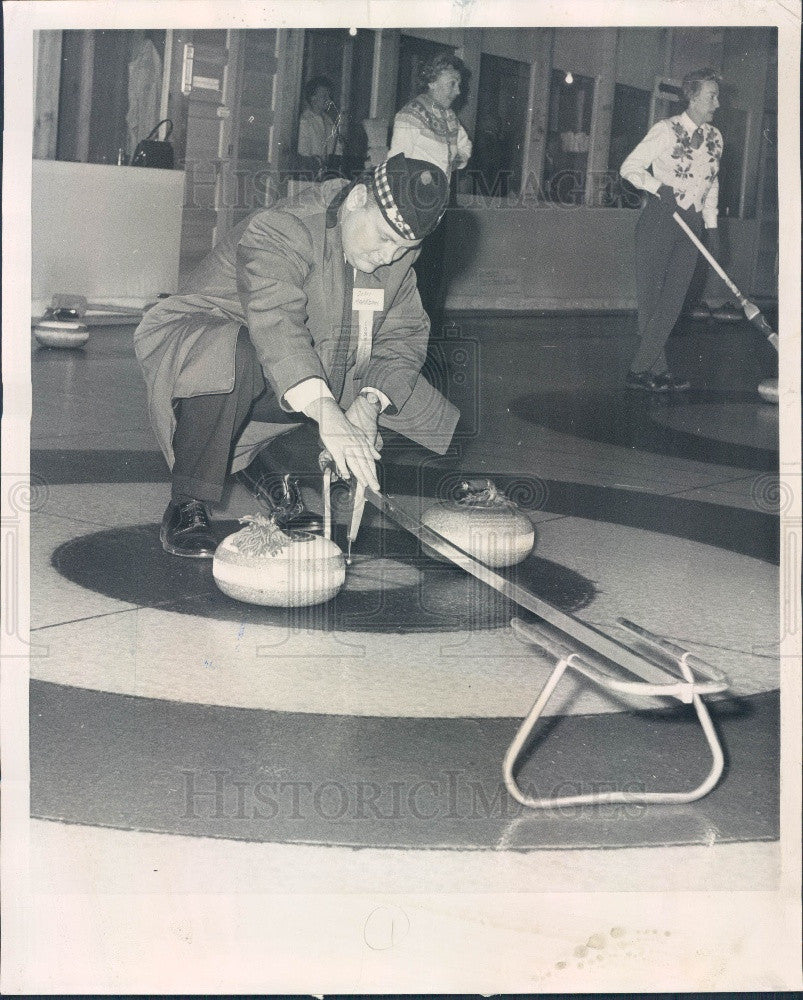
(207, 426)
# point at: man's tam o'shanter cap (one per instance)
(412, 195)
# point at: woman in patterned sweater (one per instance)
(428, 129)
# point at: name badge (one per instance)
(368, 300)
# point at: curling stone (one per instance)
(484, 523)
(61, 332)
(265, 564)
(768, 390)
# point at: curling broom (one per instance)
(751, 310)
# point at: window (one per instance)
(571, 103)
(732, 123)
(110, 93)
(629, 124)
(497, 157)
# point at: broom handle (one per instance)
(708, 256)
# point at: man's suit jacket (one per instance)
(281, 273)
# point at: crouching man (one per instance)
(308, 310)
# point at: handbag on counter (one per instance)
(155, 152)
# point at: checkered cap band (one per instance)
(388, 205)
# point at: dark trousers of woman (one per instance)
(207, 426)
(665, 262)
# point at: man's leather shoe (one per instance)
(280, 496)
(672, 383)
(645, 381)
(185, 530)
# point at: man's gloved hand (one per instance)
(713, 244)
(666, 196)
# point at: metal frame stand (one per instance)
(685, 678)
(663, 669)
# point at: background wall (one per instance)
(641, 55)
(554, 257)
(88, 236)
(580, 50)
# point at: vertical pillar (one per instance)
(166, 69)
(385, 73)
(601, 119)
(541, 85)
(382, 107)
(669, 46)
(345, 75)
(377, 131)
(286, 98)
(47, 78)
(470, 51)
(85, 95)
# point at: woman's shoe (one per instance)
(727, 313)
(701, 312)
(645, 381)
(672, 383)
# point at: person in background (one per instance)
(677, 164)
(318, 132)
(305, 312)
(428, 129)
